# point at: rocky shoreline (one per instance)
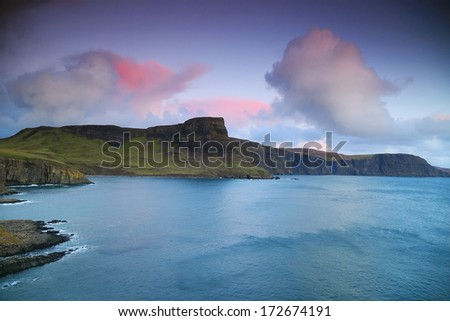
(10, 201)
(18, 238)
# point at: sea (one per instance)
(296, 238)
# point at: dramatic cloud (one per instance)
(325, 81)
(94, 83)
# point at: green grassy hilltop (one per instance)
(80, 147)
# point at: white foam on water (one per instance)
(80, 249)
(17, 283)
(11, 284)
(23, 186)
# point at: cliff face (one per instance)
(205, 128)
(3, 189)
(394, 165)
(15, 171)
(375, 165)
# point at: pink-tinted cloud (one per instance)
(140, 77)
(150, 77)
(236, 111)
(325, 80)
(96, 82)
(147, 85)
(441, 117)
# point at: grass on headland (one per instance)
(85, 154)
(7, 238)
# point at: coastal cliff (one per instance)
(392, 165)
(205, 128)
(24, 172)
(113, 150)
(3, 189)
(60, 155)
(298, 161)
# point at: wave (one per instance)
(16, 283)
(18, 193)
(11, 284)
(23, 186)
(80, 249)
(37, 185)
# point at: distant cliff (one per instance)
(392, 165)
(315, 162)
(19, 172)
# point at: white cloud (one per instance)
(66, 95)
(325, 81)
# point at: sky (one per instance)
(375, 73)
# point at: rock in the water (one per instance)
(14, 264)
(56, 221)
(10, 201)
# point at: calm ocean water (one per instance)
(297, 238)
